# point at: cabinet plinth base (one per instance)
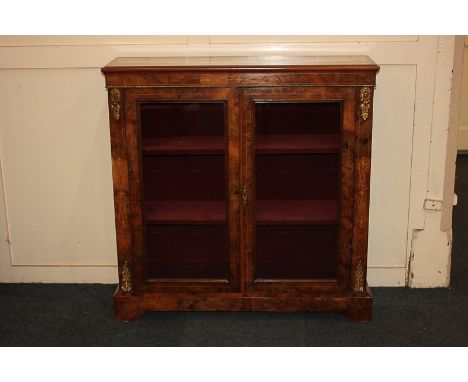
(357, 307)
(361, 309)
(127, 307)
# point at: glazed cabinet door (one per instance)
(183, 154)
(297, 176)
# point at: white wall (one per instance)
(56, 208)
(463, 133)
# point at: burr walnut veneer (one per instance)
(241, 183)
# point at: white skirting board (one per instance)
(389, 277)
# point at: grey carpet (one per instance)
(81, 315)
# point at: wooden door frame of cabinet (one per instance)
(131, 176)
(346, 97)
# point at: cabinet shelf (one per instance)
(296, 212)
(284, 212)
(185, 212)
(183, 145)
(265, 144)
(297, 143)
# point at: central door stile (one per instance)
(234, 185)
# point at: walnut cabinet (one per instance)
(241, 183)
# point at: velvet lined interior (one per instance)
(296, 179)
(187, 251)
(292, 118)
(296, 176)
(183, 149)
(296, 170)
(296, 212)
(295, 252)
(184, 177)
(182, 119)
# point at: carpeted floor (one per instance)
(81, 315)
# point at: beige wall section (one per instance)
(463, 132)
(59, 181)
(56, 215)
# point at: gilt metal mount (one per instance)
(358, 285)
(115, 103)
(365, 102)
(126, 279)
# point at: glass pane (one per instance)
(183, 151)
(296, 179)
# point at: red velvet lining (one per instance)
(296, 212)
(296, 169)
(182, 119)
(276, 118)
(184, 189)
(187, 251)
(295, 252)
(184, 177)
(296, 176)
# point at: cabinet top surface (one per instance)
(122, 64)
